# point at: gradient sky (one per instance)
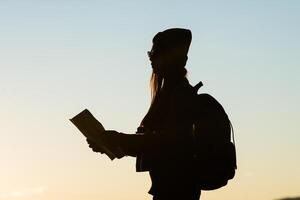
(59, 57)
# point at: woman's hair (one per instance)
(157, 81)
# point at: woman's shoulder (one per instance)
(184, 88)
(183, 94)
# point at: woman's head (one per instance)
(168, 56)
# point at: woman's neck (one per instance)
(171, 82)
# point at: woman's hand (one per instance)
(94, 146)
(111, 140)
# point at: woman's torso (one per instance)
(170, 167)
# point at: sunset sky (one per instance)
(59, 57)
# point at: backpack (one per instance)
(214, 154)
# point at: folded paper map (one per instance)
(93, 130)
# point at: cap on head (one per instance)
(174, 38)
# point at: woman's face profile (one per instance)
(159, 61)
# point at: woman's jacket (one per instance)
(166, 141)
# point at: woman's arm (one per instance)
(137, 144)
(133, 144)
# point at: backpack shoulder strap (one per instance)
(197, 86)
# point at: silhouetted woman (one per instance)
(163, 143)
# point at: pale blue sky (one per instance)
(59, 57)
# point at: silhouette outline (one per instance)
(163, 142)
